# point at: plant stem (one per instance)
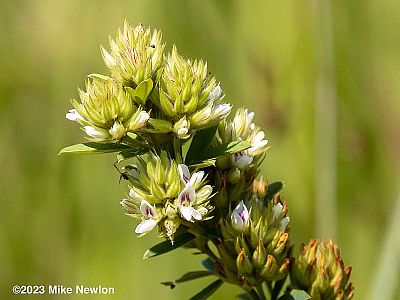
(253, 294)
(261, 291)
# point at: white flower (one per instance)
(143, 117)
(139, 121)
(189, 195)
(241, 159)
(240, 216)
(181, 128)
(242, 121)
(193, 180)
(94, 133)
(215, 93)
(221, 110)
(73, 115)
(149, 212)
(185, 198)
(284, 223)
(276, 212)
(258, 144)
(117, 131)
(134, 195)
(188, 212)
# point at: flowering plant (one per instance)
(192, 173)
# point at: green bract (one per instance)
(106, 111)
(255, 245)
(321, 272)
(176, 196)
(191, 172)
(189, 95)
(136, 54)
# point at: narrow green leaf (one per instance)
(244, 297)
(273, 188)
(126, 154)
(208, 291)
(200, 142)
(208, 263)
(187, 277)
(295, 295)
(221, 150)
(166, 246)
(94, 148)
(204, 164)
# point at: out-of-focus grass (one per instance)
(60, 221)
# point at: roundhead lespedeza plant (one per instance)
(192, 167)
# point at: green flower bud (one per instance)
(256, 234)
(136, 54)
(321, 272)
(106, 111)
(259, 255)
(158, 126)
(176, 196)
(241, 128)
(189, 95)
(233, 175)
(181, 128)
(243, 264)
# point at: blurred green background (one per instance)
(323, 78)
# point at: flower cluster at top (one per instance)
(148, 91)
(191, 168)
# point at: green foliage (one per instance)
(96, 148)
(167, 246)
(208, 291)
(295, 295)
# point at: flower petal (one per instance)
(135, 196)
(204, 192)
(241, 160)
(94, 133)
(215, 93)
(184, 172)
(284, 223)
(241, 211)
(237, 221)
(187, 195)
(222, 110)
(196, 178)
(186, 212)
(276, 211)
(195, 214)
(145, 226)
(147, 209)
(73, 115)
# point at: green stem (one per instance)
(253, 294)
(261, 291)
(269, 286)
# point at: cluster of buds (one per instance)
(241, 128)
(189, 95)
(106, 111)
(136, 55)
(321, 272)
(192, 172)
(255, 244)
(165, 193)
